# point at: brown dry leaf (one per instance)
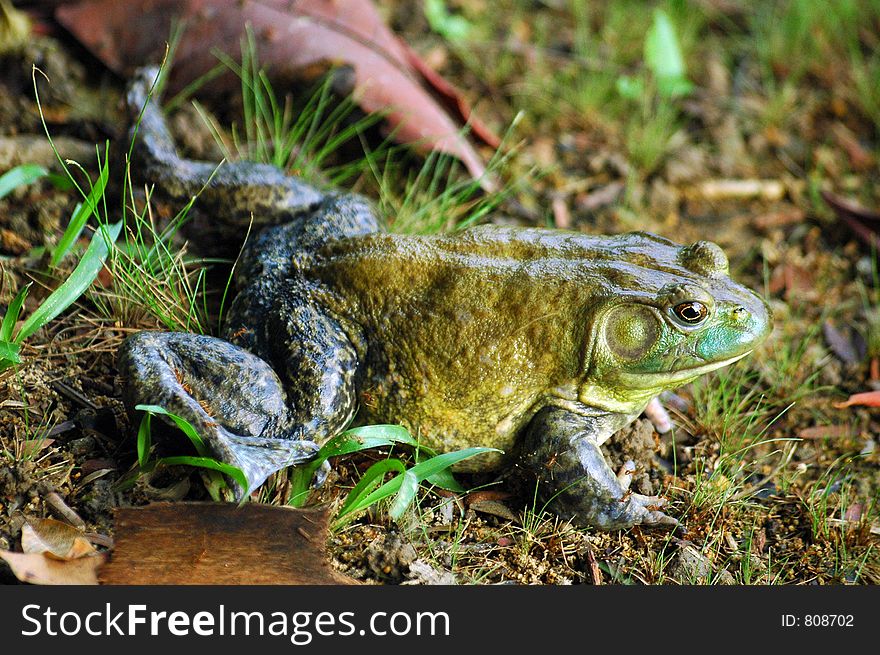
(864, 222)
(55, 539)
(217, 543)
(494, 508)
(859, 158)
(843, 346)
(825, 431)
(32, 447)
(867, 398)
(787, 216)
(293, 39)
(38, 568)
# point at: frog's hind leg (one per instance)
(230, 195)
(232, 398)
(275, 252)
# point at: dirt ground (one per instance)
(773, 483)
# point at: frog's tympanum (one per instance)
(539, 342)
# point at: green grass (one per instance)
(213, 469)
(372, 487)
(69, 291)
(301, 136)
(737, 417)
(836, 42)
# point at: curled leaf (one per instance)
(867, 399)
(294, 39)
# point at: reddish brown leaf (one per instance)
(780, 218)
(842, 346)
(292, 38)
(37, 568)
(55, 539)
(825, 431)
(453, 101)
(216, 543)
(864, 222)
(867, 398)
(859, 158)
(854, 513)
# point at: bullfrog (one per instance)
(541, 343)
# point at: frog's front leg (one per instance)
(575, 479)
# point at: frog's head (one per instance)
(674, 314)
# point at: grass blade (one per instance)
(8, 354)
(663, 57)
(409, 485)
(74, 286)
(81, 214)
(20, 176)
(369, 481)
(367, 436)
(421, 471)
(12, 313)
(184, 425)
(144, 440)
(207, 463)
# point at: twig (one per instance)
(61, 508)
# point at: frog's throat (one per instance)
(632, 391)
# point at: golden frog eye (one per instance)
(691, 312)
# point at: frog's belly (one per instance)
(444, 427)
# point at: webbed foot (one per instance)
(233, 399)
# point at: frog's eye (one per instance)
(691, 312)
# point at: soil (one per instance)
(69, 446)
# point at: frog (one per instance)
(537, 342)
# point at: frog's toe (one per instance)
(625, 475)
(321, 474)
(645, 510)
(260, 457)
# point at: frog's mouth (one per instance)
(630, 392)
(679, 376)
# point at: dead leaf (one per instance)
(759, 541)
(32, 447)
(794, 280)
(217, 543)
(825, 431)
(781, 218)
(867, 398)
(844, 347)
(454, 102)
(854, 513)
(595, 571)
(38, 568)
(864, 222)
(292, 39)
(859, 158)
(484, 495)
(54, 539)
(561, 214)
(494, 508)
(600, 197)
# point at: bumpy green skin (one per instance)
(538, 342)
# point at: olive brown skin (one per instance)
(541, 343)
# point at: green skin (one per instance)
(541, 343)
